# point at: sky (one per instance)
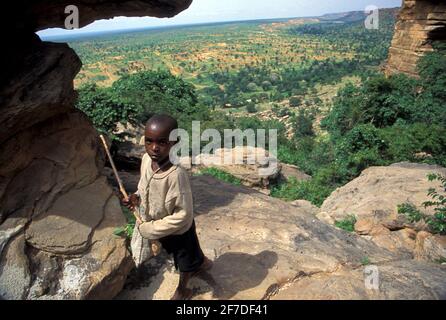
(202, 11)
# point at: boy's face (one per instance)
(157, 142)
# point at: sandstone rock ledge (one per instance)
(373, 198)
(420, 22)
(264, 248)
(58, 215)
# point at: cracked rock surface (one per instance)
(57, 213)
(264, 248)
(58, 216)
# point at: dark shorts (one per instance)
(185, 248)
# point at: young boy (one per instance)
(165, 194)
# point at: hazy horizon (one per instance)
(210, 11)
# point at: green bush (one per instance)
(404, 141)
(302, 124)
(295, 102)
(251, 87)
(127, 230)
(136, 97)
(383, 102)
(411, 212)
(280, 111)
(436, 222)
(310, 190)
(380, 101)
(104, 110)
(432, 70)
(251, 108)
(359, 149)
(347, 224)
(220, 175)
(365, 261)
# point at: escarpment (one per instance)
(420, 22)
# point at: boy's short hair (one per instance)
(163, 119)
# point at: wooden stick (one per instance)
(115, 171)
(156, 249)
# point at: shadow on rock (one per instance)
(210, 193)
(234, 272)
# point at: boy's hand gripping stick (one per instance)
(155, 246)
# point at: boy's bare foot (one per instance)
(183, 294)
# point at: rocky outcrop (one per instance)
(378, 191)
(50, 13)
(264, 248)
(253, 166)
(373, 198)
(42, 14)
(289, 171)
(57, 211)
(58, 215)
(419, 23)
(42, 88)
(430, 247)
(398, 280)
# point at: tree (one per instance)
(105, 110)
(266, 85)
(303, 124)
(251, 87)
(251, 107)
(295, 101)
(136, 97)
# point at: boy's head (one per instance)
(157, 133)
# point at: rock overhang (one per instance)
(38, 15)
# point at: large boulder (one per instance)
(378, 191)
(261, 246)
(252, 173)
(133, 133)
(128, 149)
(57, 213)
(42, 87)
(289, 171)
(43, 14)
(255, 167)
(373, 198)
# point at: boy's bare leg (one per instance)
(205, 266)
(183, 292)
